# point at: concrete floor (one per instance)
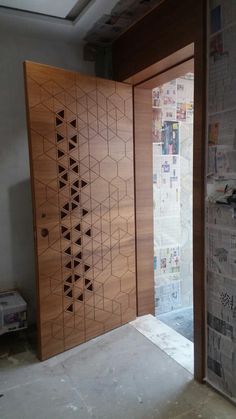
(167, 339)
(118, 375)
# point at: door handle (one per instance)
(44, 232)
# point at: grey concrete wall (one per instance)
(17, 268)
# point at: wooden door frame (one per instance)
(143, 191)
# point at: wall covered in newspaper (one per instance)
(172, 193)
(220, 199)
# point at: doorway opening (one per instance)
(164, 127)
(172, 136)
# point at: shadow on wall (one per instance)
(22, 244)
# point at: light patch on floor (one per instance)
(168, 340)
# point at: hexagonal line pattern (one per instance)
(82, 168)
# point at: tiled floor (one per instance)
(119, 375)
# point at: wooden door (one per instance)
(81, 154)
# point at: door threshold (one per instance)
(168, 340)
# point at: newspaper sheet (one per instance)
(221, 246)
(221, 314)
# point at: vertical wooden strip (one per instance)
(144, 200)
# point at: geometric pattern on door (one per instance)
(81, 155)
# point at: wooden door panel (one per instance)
(81, 154)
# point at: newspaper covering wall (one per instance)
(221, 219)
(221, 313)
(172, 191)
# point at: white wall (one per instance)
(16, 233)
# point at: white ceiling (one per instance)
(94, 22)
(30, 24)
(58, 8)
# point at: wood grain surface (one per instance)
(81, 153)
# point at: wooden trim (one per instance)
(38, 317)
(170, 74)
(178, 57)
(199, 212)
(144, 200)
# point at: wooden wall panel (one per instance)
(172, 27)
(81, 152)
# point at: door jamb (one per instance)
(137, 80)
